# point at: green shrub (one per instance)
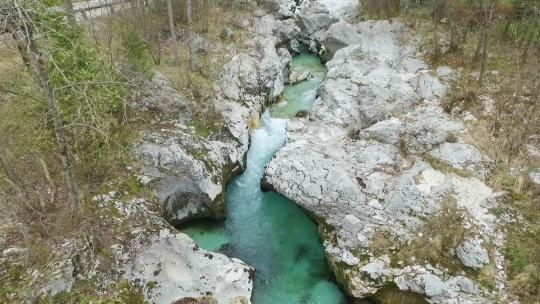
(380, 9)
(135, 50)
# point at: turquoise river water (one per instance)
(265, 229)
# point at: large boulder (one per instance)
(177, 268)
(339, 35)
(297, 76)
(312, 16)
(472, 254)
(188, 184)
(159, 95)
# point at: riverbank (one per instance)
(390, 176)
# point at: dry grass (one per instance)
(507, 108)
(254, 121)
(440, 236)
(442, 166)
(380, 9)
(381, 242)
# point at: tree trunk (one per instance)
(453, 38)
(464, 35)
(527, 46)
(23, 35)
(8, 171)
(507, 27)
(484, 43)
(478, 49)
(190, 42)
(173, 33)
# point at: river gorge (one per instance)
(265, 229)
(361, 159)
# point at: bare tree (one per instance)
(191, 42)
(173, 32)
(488, 12)
(20, 24)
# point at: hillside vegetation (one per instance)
(69, 122)
(495, 46)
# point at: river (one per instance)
(265, 229)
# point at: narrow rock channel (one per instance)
(265, 229)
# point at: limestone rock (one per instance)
(472, 254)
(179, 269)
(339, 35)
(342, 9)
(351, 223)
(183, 200)
(349, 258)
(386, 131)
(463, 156)
(227, 33)
(160, 96)
(313, 16)
(428, 87)
(298, 76)
(446, 73)
(535, 177)
(433, 285)
(413, 65)
(374, 185)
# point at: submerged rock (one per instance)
(298, 76)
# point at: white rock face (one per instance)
(190, 172)
(463, 156)
(180, 269)
(343, 9)
(351, 223)
(535, 177)
(446, 73)
(313, 16)
(360, 164)
(339, 35)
